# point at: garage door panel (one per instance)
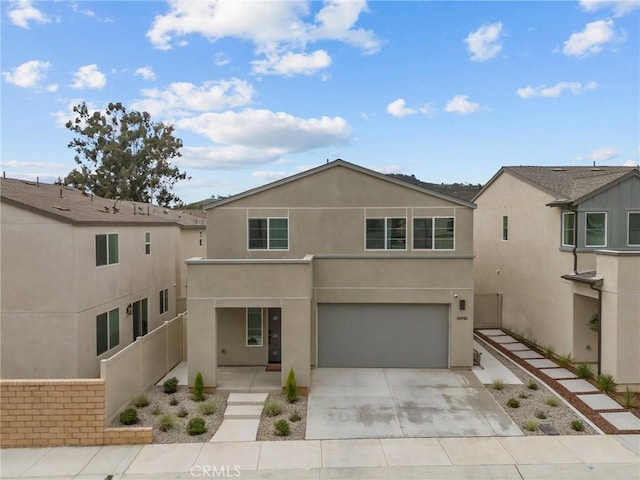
(383, 335)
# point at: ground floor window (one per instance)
(107, 331)
(254, 327)
(164, 301)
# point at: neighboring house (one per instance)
(338, 266)
(83, 276)
(562, 246)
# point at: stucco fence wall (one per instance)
(487, 310)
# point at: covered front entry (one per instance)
(383, 335)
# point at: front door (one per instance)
(275, 338)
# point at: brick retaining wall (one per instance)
(38, 413)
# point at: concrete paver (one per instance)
(578, 386)
(236, 430)
(527, 354)
(541, 363)
(413, 452)
(558, 373)
(504, 339)
(600, 401)
(239, 398)
(515, 347)
(476, 451)
(244, 455)
(352, 453)
(622, 420)
(242, 411)
(492, 332)
(535, 450)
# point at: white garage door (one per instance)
(383, 335)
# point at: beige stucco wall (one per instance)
(52, 291)
(232, 339)
(192, 242)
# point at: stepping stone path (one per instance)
(623, 421)
(241, 418)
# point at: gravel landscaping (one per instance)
(266, 429)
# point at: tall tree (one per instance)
(124, 154)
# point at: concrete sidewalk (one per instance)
(533, 457)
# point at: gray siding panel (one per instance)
(383, 335)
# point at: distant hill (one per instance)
(463, 191)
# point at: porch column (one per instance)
(202, 340)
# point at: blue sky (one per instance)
(447, 91)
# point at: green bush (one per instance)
(531, 425)
(552, 401)
(170, 385)
(208, 408)
(129, 416)
(156, 410)
(498, 384)
(295, 417)
(577, 425)
(182, 413)
(196, 426)
(198, 388)
(282, 427)
(585, 371)
(140, 401)
(167, 421)
(628, 399)
(292, 389)
(606, 383)
(273, 407)
(532, 385)
(173, 402)
(513, 403)
(523, 395)
(540, 414)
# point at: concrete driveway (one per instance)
(386, 403)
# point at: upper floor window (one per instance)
(386, 234)
(596, 229)
(505, 228)
(268, 233)
(568, 229)
(164, 301)
(435, 233)
(107, 331)
(106, 249)
(254, 327)
(633, 239)
(147, 243)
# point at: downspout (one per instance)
(575, 240)
(599, 331)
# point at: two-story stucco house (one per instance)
(84, 276)
(338, 266)
(562, 246)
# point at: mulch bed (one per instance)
(572, 398)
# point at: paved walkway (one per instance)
(570, 457)
(599, 402)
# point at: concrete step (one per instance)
(237, 430)
(243, 411)
(246, 398)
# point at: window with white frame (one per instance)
(164, 301)
(106, 249)
(505, 228)
(633, 229)
(107, 331)
(433, 233)
(568, 229)
(268, 233)
(254, 327)
(595, 229)
(147, 243)
(386, 233)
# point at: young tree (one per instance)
(124, 154)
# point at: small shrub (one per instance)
(498, 384)
(295, 417)
(282, 427)
(532, 385)
(531, 425)
(129, 416)
(208, 408)
(523, 395)
(198, 388)
(577, 425)
(182, 413)
(552, 402)
(565, 360)
(167, 421)
(156, 410)
(549, 351)
(196, 426)
(170, 385)
(173, 402)
(513, 403)
(534, 343)
(606, 383)
(292, 389)
(585, 371)
(273, 407)
(628, 399)
(540, 414)
(140, 401)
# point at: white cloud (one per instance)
(292, 63)
(631, 163)
(270, 176)
(398, 108)
(52, 88)
(220, 60)
(619, 7)
(28, 74)
(277, 29)
(484, 44)
(603, 154)
(33, 165)
(556, 90)
(182, 97)
(89, 76)
(146, 72)
(22, 12)
(460, 104)
(591, 39)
